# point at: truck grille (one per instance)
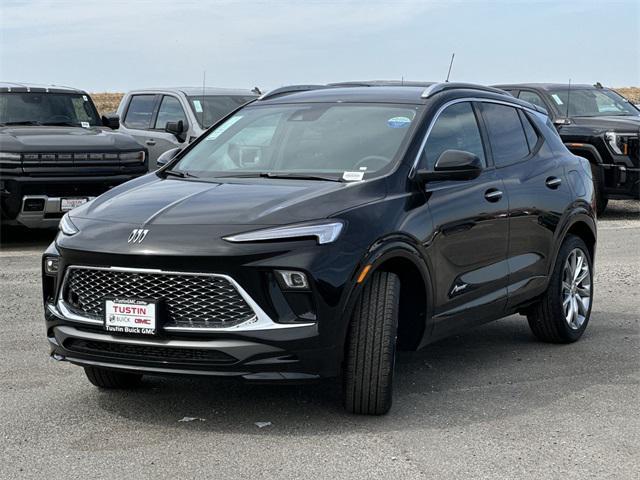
(190, 300)
(65, 163)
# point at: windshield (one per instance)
(594, 102)
(211, 108)
(335, 141)
(74, 109)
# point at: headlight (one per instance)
(67, 227)
(10, 160)
(325, 232)
(619, 143)
(132, 157)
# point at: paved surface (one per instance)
(492, 403)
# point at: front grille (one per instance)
(189, 301)
(147, 352)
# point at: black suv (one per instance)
(312, 232)
(597, 124)
(56, 153)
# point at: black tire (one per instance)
(112, 379)
(371, 347)
(598, 189)
(547, 317)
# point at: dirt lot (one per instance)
(491, 403)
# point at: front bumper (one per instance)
(621, 181)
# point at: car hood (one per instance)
(67, 139)
(151, 200)
(611, 123)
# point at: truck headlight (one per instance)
(132, 157)
(618, 143)
(67, 227)
(324, 232)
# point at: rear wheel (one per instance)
(598, 189)
(112, 379)
(371, 347)
(563, 313)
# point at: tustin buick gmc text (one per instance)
(316, 230)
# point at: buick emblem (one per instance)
(137, 235)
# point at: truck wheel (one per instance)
(371, 347)
(598, 189)
(103, 378)
(562, 314)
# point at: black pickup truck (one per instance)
(598, 124)
(56, 153)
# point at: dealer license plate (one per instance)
(130, 316)
(67, 204)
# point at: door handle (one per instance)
(553, 182)
(151, 142)
(493, 195)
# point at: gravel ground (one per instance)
(491, 403)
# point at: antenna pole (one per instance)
(450, 65)
(204, 78)
(568, 97)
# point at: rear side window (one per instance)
(529, 131)
(140, 111)
(532, 97)
(170, 111)
(455, 129)
(506, 135)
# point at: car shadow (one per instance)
(495, 371)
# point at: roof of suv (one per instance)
(547, 86)
(34, 87)
(197, 91)
(382, 92)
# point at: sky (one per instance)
(115, 45)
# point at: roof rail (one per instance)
(382, 83)
(291, 89)
(431, 90)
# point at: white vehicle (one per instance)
(145, 114)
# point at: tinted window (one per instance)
(532, 97)
(529, 131)
(591, 102)
(508, 141)
(170, 111)
(47, 108)
(211, 108)
(455, 129)
(140, 111)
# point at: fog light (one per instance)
(51, 265)
(293, 279)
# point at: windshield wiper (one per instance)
(23, 122)
(296, 176)
(60, 124)
(179, 174)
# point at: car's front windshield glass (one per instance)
(337, 141)
(211, 108)
(594, 102)
(73, 109)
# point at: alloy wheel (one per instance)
(576, 288)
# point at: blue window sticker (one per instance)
(398, 122)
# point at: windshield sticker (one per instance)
(398, 122)
(557, 98)
(84, 97)
(223, 128)
(85, 124)
(353, 176)
(197, 105)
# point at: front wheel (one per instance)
(112, 379)
(562, 314)
(371, 347)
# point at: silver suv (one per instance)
(145, 114)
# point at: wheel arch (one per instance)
(582, 225)
(399, 256)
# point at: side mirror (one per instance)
(452, 165)
(177, 128)
(167, 156)
(111, 120)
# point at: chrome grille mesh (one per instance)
(191, 301)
